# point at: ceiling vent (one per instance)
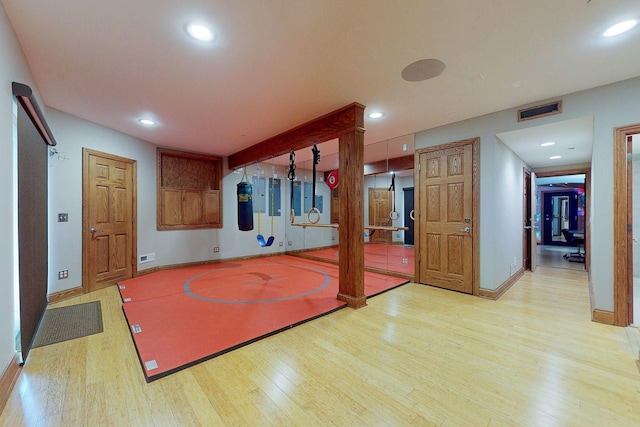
(540, 111)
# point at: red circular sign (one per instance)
(332, 179)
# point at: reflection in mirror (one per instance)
(388, 202)
(310, 218)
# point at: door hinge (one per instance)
(629, 159)
(419, 166)
(629, 228)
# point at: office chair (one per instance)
(577, 256)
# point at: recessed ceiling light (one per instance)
(547, 144)
(555, 157)
(620, 28)
(375, 115)
(147, 122)
(200, 32)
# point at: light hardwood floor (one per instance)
(414, 356)
(552, 256)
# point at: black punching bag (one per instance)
(245, 206)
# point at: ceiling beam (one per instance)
(330, 126)
(395, 164)
(387, 165)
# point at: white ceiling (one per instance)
(276, 64)
(573, 141)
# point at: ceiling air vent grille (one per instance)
(540, 111)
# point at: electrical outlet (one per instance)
(289, 243)
(216, 249)
(281, 244)
(63, 274)
(63, 217)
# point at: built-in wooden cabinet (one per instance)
(189, 190)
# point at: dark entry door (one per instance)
(32, 229)
(408, 214)
(560, 212)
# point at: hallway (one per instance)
(553, 256)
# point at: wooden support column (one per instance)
(346, 124)
(351, 218)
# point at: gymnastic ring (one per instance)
(292, 216)
(411, 214)
(394, 215)
(311, 211)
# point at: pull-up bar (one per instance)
(366, 227)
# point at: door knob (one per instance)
(95, 230)
(466, 229)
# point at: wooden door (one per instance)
(533, 221)
(379, 210)
(108, 219)
(446, 217)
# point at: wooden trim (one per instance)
(349, 118)
(622, 269)
(66, 294)
(475, 217)
(386, 165)
(603, 316)
(8, 380)
(383, 166)
(526, 233)
(494, 294)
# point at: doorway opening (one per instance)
(557, 219)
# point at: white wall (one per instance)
(13, 67)
(170, 247)
(610, 106)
